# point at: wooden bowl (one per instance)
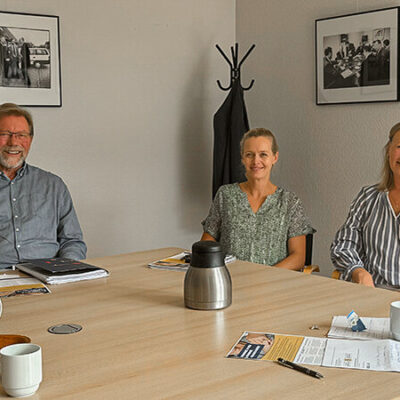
(6, 340)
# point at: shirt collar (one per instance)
(20, 172)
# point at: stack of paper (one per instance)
(14, 283)
(61, 270)
(180, 262)
(377, 328)
(372, 355)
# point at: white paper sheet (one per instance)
(9, 276)
(374, 355)
(19, 281)
(311, 351)
(377, 328)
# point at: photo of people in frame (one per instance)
(25, 58)
(356, 59)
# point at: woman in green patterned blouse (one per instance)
(256, 220)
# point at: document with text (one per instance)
(271, 346)
(372, 355)
(15, 283)
(180, 262)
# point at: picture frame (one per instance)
(357, 57)
(30, 66)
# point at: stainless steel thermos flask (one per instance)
(208, 284)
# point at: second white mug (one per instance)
(395, 319)
(21, 369)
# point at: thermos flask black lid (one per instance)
(207, 254)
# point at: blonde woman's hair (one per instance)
(386, 182)
(257, 132)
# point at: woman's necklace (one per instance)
(248, 189)
(256, 201)
(395, 202)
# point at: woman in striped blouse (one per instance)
(367, 247)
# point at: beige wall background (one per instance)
(133, 139)
(327, 153)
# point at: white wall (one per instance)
(133, 139)
(326, 152)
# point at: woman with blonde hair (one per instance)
(256, 220)
(366, 249)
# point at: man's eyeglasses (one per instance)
(5, 135)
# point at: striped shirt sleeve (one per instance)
(347, 248)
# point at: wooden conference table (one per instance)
(140, 342)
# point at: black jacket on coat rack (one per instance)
(230, 124)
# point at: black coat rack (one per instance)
(235, 67)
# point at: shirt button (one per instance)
(18, 246)
(14, 199)
(16, 216)
(17, 229)
(12, 183)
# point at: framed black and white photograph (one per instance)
(357, 57)
(30, 59)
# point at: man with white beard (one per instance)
(37, 216)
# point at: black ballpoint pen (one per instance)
(304, 370)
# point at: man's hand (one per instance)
(363, 277)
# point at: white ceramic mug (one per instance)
(21, 369)
(395, 319)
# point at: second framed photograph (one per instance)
(357, 57)
(30, 59)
